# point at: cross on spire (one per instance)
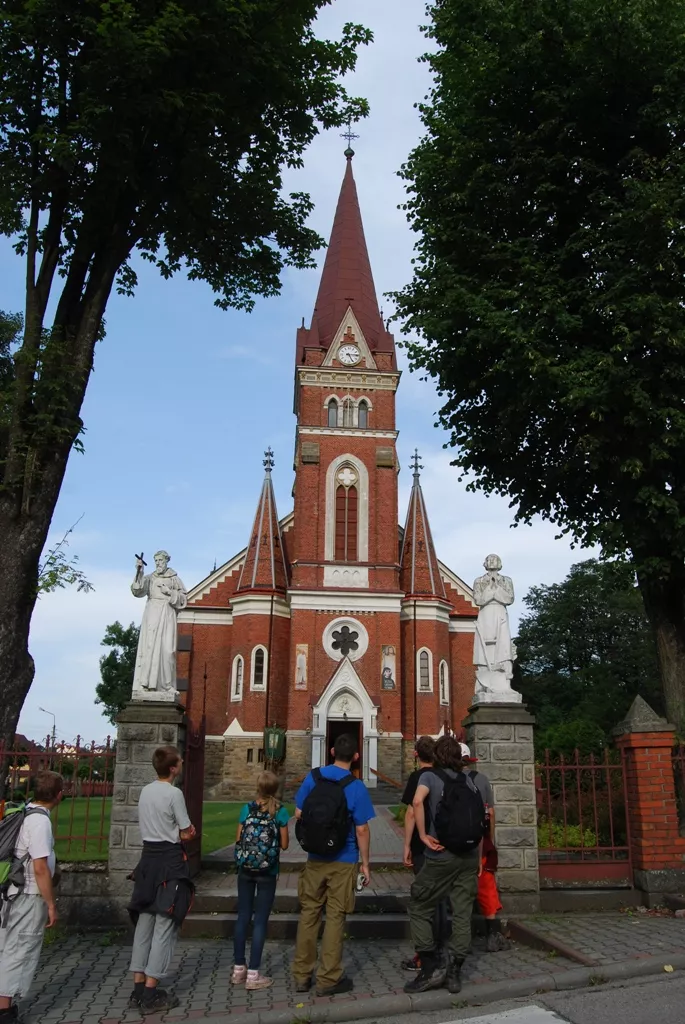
(415, 465)
(349, 135)
(268, 460)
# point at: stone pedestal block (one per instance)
(501, 737)
(142, 727)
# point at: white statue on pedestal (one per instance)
(493, 651)
(155, 673)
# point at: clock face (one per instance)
(349, 354)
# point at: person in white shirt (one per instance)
(32, 908)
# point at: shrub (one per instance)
(553, 835)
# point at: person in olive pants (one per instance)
(443, 875)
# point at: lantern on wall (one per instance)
(274, 743)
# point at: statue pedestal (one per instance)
(142, 727)
(501, 737)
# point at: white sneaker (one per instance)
(255, 981)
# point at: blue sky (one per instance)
(185, 398)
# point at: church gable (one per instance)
(350, 333)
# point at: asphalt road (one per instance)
(640, 1001)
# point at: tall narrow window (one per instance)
(444, 684)
(332, 413)
(346, 515)
(363, 415)
(237, 680)
(258, 678)
(348, 413)
(424, 671)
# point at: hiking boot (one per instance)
(454, 974)
(412, 964)
(344, 985)
(133, 1001)
(303, 986)
(256, 981)
(431, 975)
(159, 1002)
(11, 1015)
(496, 943)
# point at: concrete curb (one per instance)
(397, 1004)
(529, 936)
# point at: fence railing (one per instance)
(81, 819)
(583, 826)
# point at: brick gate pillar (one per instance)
(658, 851)
(501, 737)
(141, 727)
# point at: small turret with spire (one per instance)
(419, 573)
(265, 568)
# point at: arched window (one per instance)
(425, 671)
(348, 413)
(258, 677)
(444, 683)
(332, 413)
(346, 516)
(363, 415)
(237, 678)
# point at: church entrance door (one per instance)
(335, 728)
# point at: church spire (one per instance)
(265, 567)
(419, 573)
(346, 279)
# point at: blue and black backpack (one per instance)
(258, 848)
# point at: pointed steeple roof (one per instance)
(265, 567)
(419, 573)
(346, 279)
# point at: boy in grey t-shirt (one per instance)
(163, 821)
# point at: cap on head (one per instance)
(466, 752)
(492, 562)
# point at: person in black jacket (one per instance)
(162, 891)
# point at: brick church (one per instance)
(334, 618)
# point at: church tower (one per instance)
(333, 619)
(345, 598)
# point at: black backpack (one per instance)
(460, 821)
(324, 825)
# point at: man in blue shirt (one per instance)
(330, 881)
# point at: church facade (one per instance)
(335, 618)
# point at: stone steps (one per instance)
(284, 926)
(286, 902)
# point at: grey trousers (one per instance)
(20, 943)
(153, 945)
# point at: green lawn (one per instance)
(219, 823)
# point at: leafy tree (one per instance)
(585, 650)
(159, 128)
(117, 668)
(549, 197)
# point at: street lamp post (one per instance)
(54, 731)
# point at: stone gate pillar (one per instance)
(142, 727)
(501, 737)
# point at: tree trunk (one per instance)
(664, 601)
(20, 551)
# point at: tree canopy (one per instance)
(585, 651)
(548, 194)
(159, 128)
(117, 669)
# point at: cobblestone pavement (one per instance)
(85, 979)
(386, 842)
(608, 938)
